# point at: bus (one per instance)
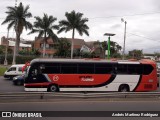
(56, 75)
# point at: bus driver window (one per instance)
(34, 72)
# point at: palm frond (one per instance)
(55, 27)
(16, 16)
(45, 26)
(33, 31)
(61, 30)
(28, 25)
(41, 33)
(10, 25)
(74, 21)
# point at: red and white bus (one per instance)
(91, 75)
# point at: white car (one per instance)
(13, 71)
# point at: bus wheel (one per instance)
(123, 88)
(53, 88)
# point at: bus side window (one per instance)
(86, 68)
(69, 68)
(122, 69)
(102, 68)
(114, 71)
(135, 69)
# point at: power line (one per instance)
(158, 12)
(143, 37)
(139, 14)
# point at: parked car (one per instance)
(18, 80)
(13, 71)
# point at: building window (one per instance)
(41, 45)
(51, 46)
(47, 45)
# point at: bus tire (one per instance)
(124, 88)
(53, 88)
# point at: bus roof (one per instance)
(43, 60)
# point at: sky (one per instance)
(142, 17)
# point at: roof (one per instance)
(20, 65)
(77, 41)
(12, 43)
(49, 40)
(84, 61)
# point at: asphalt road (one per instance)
(115, 107)
(7, 86)
(66, 105)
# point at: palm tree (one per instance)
(44, 27)
(74, 22)
(16, 17)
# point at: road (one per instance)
(82, 105)
(114, 106)
(75, 105)
(7, 86)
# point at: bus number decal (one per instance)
(86, 78)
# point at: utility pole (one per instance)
(6, 52)
(124, 37)
(15, 3)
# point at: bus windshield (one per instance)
(27, 71)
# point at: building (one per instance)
(24, 45)
(50, 45)
(79, 45)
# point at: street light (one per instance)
(123, 54)
(109, 34)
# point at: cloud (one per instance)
(104, 16)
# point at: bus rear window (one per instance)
(147, 69)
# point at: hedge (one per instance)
(19, 59)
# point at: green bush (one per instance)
(2, 70)
(19, 59)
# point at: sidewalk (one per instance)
(6, 66)
(3, 68)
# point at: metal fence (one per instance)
(31, 96)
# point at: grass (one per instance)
(2, 70)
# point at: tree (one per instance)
(102, 46)
(16, 17)
(2, 49)
(99, 49)
(63, 48)
(44, 27)
(74, 22)
(136, 54)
